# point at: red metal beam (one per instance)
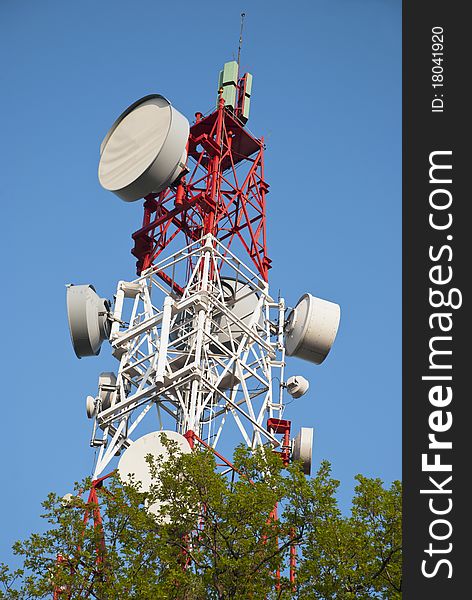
(215, 197)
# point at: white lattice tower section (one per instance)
(192, 358)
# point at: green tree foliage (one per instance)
(212, 537)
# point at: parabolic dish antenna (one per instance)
(297, 386)
(90, 406)
(242, 301)
(303, 448)
(107, 389)
(145, 149)
(133, 464)
(311, 328)
(89, 324)
(67, 499)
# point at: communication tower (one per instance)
(200, 343)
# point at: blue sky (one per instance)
(327, 98)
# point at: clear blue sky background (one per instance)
(326, 95)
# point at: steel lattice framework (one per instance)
(194, 357)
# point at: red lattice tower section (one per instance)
(223, 193)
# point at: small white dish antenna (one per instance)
(88, 316)
(302, 448)
(145, 149)
(133, 464)
(297, 386)
(311, 328)
(67, 499)
(90, 406)
(107, 389)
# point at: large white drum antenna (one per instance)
(134, 467)
(302, 448)
(145, 149)
(311, 328)
(88, 316)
